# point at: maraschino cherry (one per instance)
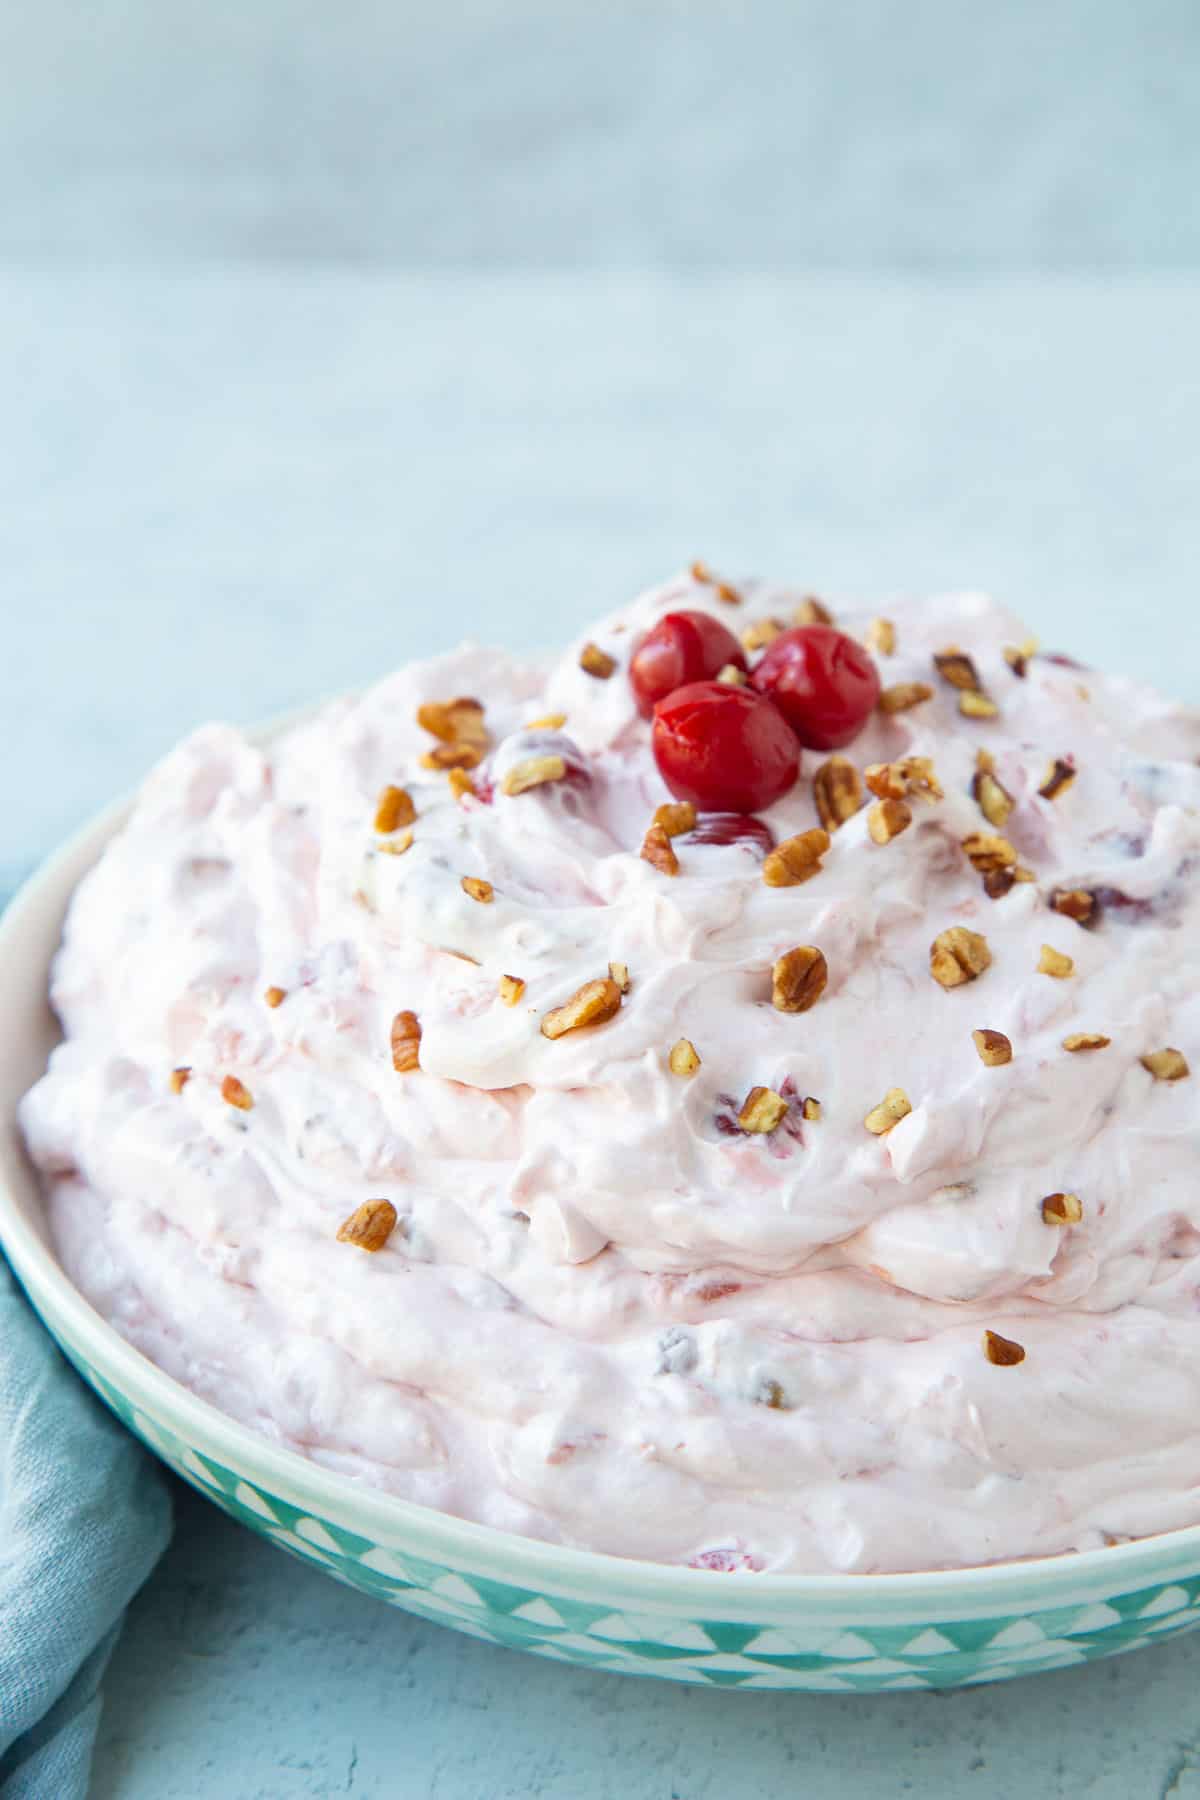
(823, 682)
(724, 748)
(681, 647)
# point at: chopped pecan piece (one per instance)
(460, 783)
(1062, 1209)
(675, 817)
(1058, 778)
(369, 1226)
(1017, 656)
(1166, 1065)
(761, 1110)
(811, 1109)
(397, 844)
(394, 808)
(657, 850)
(881, 637)
(597, 662)
(732, 676)
(683, 1059)
(727, 594)
(994, 801)
(476, 888)
(701, 573)
(592, 1004)
(511, 989)
(903, 696)
(1002, 1351)
(531, 772)
(894, 1106)
(275, 996)
(798, 979)
(887, 819)
(975, 705)
(180, 1077)
(956, 667)
(797, 859)
(760, 633)
(235, 1093)
(1075, 903)
(1086, 1040)
(998, 882)
(811, 611)
(837, 791)
(911, 776)
(1053, 962)
(619, 972)
(957, 956)
(993, 1047)
(453, 756)
(454, 721)
(406, 1042)
(986, 851)
(550, 722)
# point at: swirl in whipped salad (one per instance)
(604, 1308)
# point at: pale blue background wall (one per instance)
(324, 327)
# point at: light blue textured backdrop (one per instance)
(637, 133)
(327, 333)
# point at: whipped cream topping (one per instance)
(607, 1315)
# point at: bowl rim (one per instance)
(49, 889)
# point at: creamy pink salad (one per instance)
(566, 1198)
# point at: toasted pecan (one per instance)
(894, 1106)
(597, 662)
(592, 1004)
(887, 819)
(798, 979)
(406, 1042)
(1166, 1065)
(458, 721)
(236, 1093)
(762, 1110)
(369, 1226)
(1062, 1209)
(812, 611)
(994, 1048)
(797, 859)
(532, 772)
(957, 668)
(1057, 779)
(957, 956)
(837, 790)
(394, 808)
(659, 852)
(1002, 1351)
(903, 696)
(675, 817)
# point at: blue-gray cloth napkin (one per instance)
(84, 1516)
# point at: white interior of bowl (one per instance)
(29, 935)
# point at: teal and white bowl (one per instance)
(842, 1633)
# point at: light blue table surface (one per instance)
(222, 491)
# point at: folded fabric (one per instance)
(84, 1516)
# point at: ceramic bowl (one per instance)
(843, 1633)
